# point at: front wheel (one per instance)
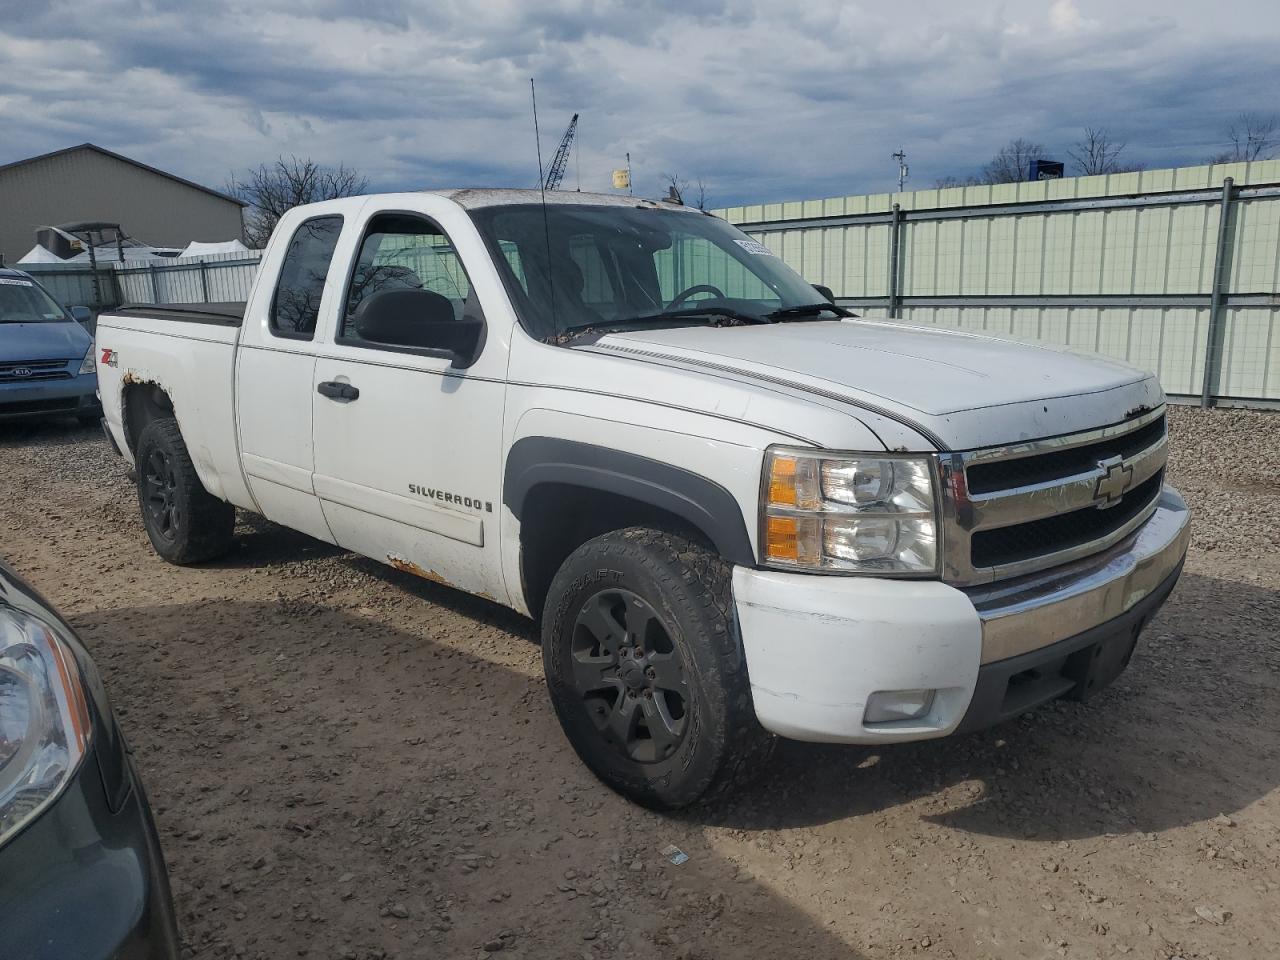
(645, 669)
(186, 524)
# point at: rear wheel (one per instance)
(645, 670)
(184, 522)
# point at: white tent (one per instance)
(198, 248)
(38, 254)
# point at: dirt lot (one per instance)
(349, 762)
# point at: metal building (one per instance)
(88, 182)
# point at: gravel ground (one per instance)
(349, 762)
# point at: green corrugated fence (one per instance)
(1123, 264)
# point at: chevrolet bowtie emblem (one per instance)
(1114, 481)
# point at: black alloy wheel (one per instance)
(183, 521)
(627, 671)
(645, 668)
(160, 489)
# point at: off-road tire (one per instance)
(202, 525)
(689, 590)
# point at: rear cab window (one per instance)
(295, 307)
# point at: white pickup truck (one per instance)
(736, 510)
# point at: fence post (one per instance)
(895, 264)
(155, 287)
(204, 282)
(117, 288)
(1221, 277)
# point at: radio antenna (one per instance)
(546, 225)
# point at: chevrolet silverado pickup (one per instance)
(737, 511)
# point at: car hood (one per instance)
(958, 389)
(65, 340)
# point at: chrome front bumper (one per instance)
(1031, 612)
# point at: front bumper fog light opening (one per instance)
(888, 706)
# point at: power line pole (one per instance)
(903, 172)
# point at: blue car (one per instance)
(46, 357)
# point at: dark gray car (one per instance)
(81, 872)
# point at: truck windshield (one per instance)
(636, 267)
(21, 301)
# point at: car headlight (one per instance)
(849, 513)
(89, 364)
(44, 719)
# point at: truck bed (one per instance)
(187, 350)
(229, 314)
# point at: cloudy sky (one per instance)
(763, 101)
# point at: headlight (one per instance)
(89, 364)
(853, 513)
(44, 719)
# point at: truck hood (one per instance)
(60, 340)
(958, 389)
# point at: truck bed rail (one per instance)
(230, 314)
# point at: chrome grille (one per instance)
(1017, 509)
(26, 371)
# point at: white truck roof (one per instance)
(472, 198)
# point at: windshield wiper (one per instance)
(721, 317)
(809, 310)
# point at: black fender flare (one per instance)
(701, 502)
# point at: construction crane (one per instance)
(556, 173)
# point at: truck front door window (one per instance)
(296, 304)
(401, 252)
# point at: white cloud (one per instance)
(1065, 17)
(763, 100)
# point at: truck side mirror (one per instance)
(81, 314)
(826, 292)
(422, 321)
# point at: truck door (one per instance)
(407, 445)
(275, 369)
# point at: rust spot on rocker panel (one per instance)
(408, 566)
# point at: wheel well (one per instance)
(559, 518)
(140, 404)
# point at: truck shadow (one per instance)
(383, 791)
(1189, 732)
(261, 544)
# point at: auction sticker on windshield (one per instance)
(15, 283)
(754, 246)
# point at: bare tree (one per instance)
(1253, 136)
(1012, 163)
(1097, 152)
(677, 187)
(271, 190)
